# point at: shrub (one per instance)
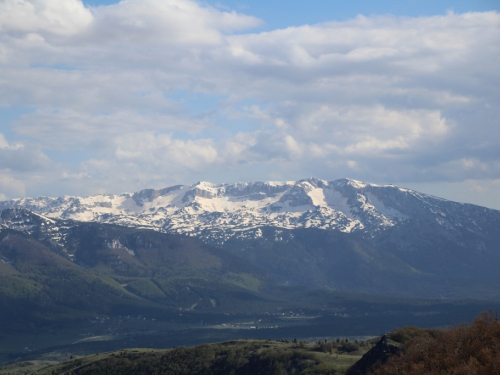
(473, 349)
(349, 347)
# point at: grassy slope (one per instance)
(234, 357)
(38, 284)
(169, 272)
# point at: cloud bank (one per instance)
(147, 93)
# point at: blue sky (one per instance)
(281, 13)
(108, 96)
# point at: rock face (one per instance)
(374, 357)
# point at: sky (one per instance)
(106, 96)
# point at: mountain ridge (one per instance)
(217, 212)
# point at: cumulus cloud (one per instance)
(162, 153)
(167, 21)
(379, 98)
(22, 165)
(10, 187)
(18, 157)
(362, 130)
(99, 132)
(56, 17)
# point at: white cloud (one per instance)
(167, 21)
(375, 98)
(10, 187)
(57, 17)
(163, 154)
(328, 130)
(17, 157)
(70, 130)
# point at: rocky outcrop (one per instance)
(374, 357)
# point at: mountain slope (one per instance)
(351, 263)
(39, 285)
(57, 268)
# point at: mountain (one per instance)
(219, 212)
(343, 235)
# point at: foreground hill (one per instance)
(235, 357)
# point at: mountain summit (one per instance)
(217, 212)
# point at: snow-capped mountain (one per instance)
(218, 212)
(342, 234)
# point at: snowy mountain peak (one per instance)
(19, 219)
(220, 211)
